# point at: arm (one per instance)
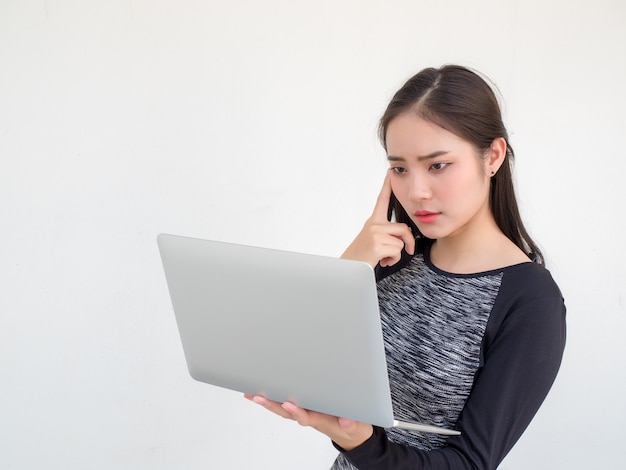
(379, 242)
(522, 354)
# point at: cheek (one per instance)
(457, 191)
(462, 188)
(465, 199)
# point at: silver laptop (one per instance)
(288, 326)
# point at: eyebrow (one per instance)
(420, 158)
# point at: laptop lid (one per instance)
(288, 326)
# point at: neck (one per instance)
(480, 246)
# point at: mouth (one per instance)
(427, 216)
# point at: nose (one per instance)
(419, 189)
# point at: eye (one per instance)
(438, 166)
(398, 170)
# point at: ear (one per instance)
(496, 155)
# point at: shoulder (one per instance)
(529, 308)
(528, 281)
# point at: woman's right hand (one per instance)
(380, 240)
(346, 433)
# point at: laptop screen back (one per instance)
(289, 326)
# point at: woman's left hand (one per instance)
(346, 433)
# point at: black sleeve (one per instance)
(522, 354)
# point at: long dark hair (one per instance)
(460, 101)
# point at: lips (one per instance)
(427, 216)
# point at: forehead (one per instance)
(410, 135)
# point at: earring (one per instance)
(493, 172)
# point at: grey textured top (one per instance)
(474, 352)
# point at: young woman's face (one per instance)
(437, 177)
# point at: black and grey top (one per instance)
(473, 352)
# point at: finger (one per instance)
(395, 235)
(382, 202)
(390, 253)
(324, 423)
(301, 415)
(409, 240)
(273, 406)
(346, 424)
(391, 259)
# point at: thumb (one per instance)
(346, 424)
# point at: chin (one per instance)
(432, 232)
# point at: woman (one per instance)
(474, 325)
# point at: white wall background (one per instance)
(255, 122)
